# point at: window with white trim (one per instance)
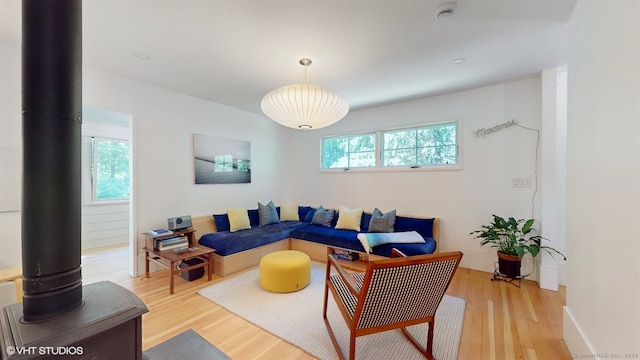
(349, 151)
(109, 169)
(420, 146)
(427, 146)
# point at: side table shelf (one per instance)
(171, 259)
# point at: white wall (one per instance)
(163, 126)
(10, 156)
(163, 172)
(603, 203)
(462, 199)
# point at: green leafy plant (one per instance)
(513, 237)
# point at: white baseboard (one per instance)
(575, 339)
(547, 272)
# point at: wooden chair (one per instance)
(392, 293)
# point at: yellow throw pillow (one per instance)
(238, 219)
(349, 219)
(289, 212)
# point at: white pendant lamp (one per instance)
(304, 106)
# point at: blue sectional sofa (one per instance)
(241, 249)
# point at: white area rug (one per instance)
(297, 318)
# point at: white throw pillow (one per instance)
(238, 219)
(349, 219)
(289, 212)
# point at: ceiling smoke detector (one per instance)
(445, 11)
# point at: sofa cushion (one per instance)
(382, 223)
(347, 239)
(238, 219)
(349, 219)
(289, 212)
(254, 217)
(309, 216)
(267, 214)
(227, 243)
(422, 226)
(222, 222)
(303, 211)
(323, 216)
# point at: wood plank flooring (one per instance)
(501, 320)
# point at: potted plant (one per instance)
(512, 239)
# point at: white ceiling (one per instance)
(371, 52)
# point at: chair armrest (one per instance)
(347, 278)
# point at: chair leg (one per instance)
(428, 351)
(326, 323)
(333, 339)
(352, 346)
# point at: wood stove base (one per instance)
(107, 326)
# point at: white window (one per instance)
(349, 151)
(109, 169)
(430, 145)
(433, 146)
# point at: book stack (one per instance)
(172, 243)
(345, 254)
(160, 232)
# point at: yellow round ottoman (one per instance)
(285, 271)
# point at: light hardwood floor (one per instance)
(501, 320)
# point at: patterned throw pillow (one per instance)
(268, 214)
(382, 223)
(323, 217)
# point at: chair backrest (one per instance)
(404, 290)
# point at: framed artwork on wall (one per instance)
(220, 160)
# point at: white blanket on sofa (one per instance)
(369, 240)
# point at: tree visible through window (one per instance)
(109, 169)
(428, 145)
(349, 151)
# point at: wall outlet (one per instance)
(521, 182)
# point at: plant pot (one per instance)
(509, 265)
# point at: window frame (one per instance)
(93, 169)
(348, 136)
(418, 146)
(402, 168)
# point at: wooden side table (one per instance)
(171, 258)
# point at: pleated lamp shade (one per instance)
(304, 106)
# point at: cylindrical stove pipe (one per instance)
(52, 136)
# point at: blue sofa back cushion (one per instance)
(423, 226)
(222, 222)
(364, 222)
(303, 211)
